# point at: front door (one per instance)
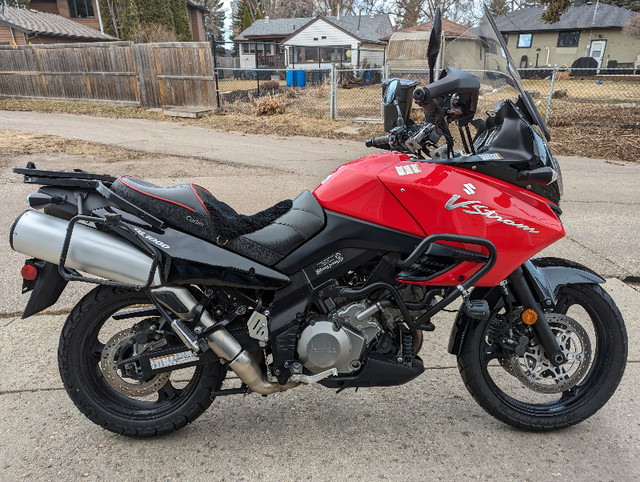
(597, 50)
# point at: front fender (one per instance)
(547, 275)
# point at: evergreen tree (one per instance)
(214, 23)
(15, 3)
(246, 19)
(120, 18)
(157, 12)
(181, 20)
(633, 5)
(238, 18)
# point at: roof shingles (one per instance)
(40, 23)
(365, 27)
(594, 16)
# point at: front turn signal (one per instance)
(529, 317)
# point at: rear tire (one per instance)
(486, 379)
(175, 400)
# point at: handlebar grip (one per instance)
(421, 95)
(381, 142)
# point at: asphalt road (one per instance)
(429, 429)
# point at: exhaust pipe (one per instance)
(91, 251)
(182, 303)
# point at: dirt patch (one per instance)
(615, 143)
(59, 153)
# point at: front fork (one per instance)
(540, 327)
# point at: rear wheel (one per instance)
(526, 390)
(91, 345)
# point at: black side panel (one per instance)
(194, 260)
(47, 290)
(345, 232)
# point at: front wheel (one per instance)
(102, 331)
(526, 390)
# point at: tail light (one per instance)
(29, 272)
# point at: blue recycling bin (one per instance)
(301, 78)
(296, 78)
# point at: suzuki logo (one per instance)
(469, 188)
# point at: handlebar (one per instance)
(422, 95)
(381, 142)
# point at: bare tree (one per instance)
(334, 7)
(412, 12)
(499, 7)
(632, 27)
(409, 13)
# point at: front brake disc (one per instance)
(536, 372)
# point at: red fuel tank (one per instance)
(424, 198)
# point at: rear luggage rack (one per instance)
(78, 178)
(83, 179)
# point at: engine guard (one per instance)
(547, 276)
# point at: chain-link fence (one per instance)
(356, 94)
(344, 84)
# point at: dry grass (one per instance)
(270, 105)
(606, 141)
(18, 143)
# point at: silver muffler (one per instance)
(220, 341)
(91, 251)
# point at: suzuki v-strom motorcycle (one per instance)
(338, 286)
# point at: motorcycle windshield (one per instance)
(482, 51)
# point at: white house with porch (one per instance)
(315, 43)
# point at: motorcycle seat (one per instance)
(267, 236)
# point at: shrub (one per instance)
(270, 85)
(270, 105)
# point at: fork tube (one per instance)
(541, 327)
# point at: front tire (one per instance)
(488, 372)
(89, 342)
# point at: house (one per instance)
(584, 30)
(21, 27)
(55, 21)
(196, 20)
(315, 43)
(407, 48)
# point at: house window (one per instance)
(505, 36)
(336, 55)
(81, 9)
(524, 40)
(568, 39)
(250, 48)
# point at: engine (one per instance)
(339, 339)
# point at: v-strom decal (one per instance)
(476, 207)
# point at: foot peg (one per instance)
(332, 372)
(477, 309)
(188, 337)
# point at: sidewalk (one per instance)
(429, 429)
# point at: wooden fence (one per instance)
(147, 75)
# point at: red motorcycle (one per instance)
(335, 287)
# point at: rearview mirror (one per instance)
(390, 92)
(397, 98)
